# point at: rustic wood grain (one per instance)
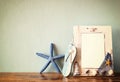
(52, 77)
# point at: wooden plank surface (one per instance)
(52, 77)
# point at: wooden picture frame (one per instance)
(94, 50)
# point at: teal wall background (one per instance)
(29, 26)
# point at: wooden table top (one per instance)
(52, 77)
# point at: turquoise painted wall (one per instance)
(29, 26)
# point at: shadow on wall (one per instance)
(116, 48)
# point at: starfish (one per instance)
(51, 59)
(108, 62)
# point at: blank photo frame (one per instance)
(92, 43)
(94, 50)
